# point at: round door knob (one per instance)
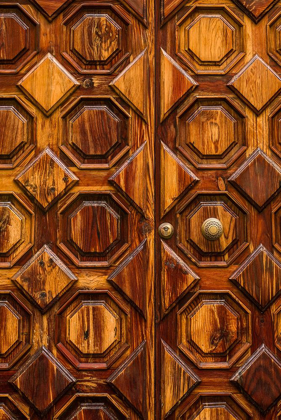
(212, 229)
(166, 230)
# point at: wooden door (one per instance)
(218, 171)
(76, 217)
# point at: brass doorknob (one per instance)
(166, 230)
(212, 229)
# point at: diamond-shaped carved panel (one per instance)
(44, 278)
(46, 179)
(45, 366)
(10, 410)
(51, 8)
(256, 9)
(259, 277)
(95, 38)
(48, 84)
(214, 329)
(257, 84)
(92, 330)
(96, 131)
(260, 379)
(215, 407)
(18, 37)
(92, 407)
(210, 39)
(174, 370)
(259, 179)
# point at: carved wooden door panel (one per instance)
(219, 174)
(76, 209)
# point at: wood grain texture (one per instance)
(129, 279)
(261, 372)
(247, 84)
(92, 330)
(48, 83)
(172, 393)
(258, 178)
(177, 279)
(18, 38)
(174, 84)
(50, 7)
(209, 39)
(214, 329)
(135, 166)
(177, 179)
(266, 270)
(256, 10)
(97, 131)
(43, 364)
(131, 83)
(44, 278)
(129, 379)
(46, 178)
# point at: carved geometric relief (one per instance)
(211, 132)
(274, 39)
(259, 277)
(276, 223)
(45, 366)
(16, 228)
(10, 410)
(44, 278)
(92, 330)
(17, 134)
(139, 6)
(214, 329)
(132, 371)
(275, 129)
(177, 279)
(95, 131)
(233, 217)
(178, 380)
(176, 178)
(15, 329)
(51, 8)
(175, 83)
(95, 38)
(259, 179)
(256, 9)
(216, 407)
(260, 379)
(247, 84)
(131, 169)
(132, 84)
(277, 327)
(94, 228)
(129, 280)
(46, 179)
(48, 84)
(91, 407)
(18, 38)
(210, 40)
